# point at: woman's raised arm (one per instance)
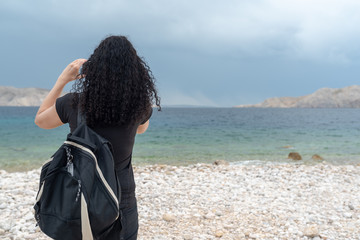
(47, 116)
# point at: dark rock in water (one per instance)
(221, 162)
(294, 156)
(317, 157)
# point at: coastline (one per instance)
(205, 201)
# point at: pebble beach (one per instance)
(207, 201)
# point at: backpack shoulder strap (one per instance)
(80, 117)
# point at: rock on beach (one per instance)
(294, 156)
(317, 157)
(206, 201)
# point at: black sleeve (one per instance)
(147, 116)
(63, 105)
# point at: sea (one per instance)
(182, 136)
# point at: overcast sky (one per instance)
(208, 52)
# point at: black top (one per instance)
(122, 138)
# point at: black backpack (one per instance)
(79, 190)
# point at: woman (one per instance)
(115, 91)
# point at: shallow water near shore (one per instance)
(181, 136)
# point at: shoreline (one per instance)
(206, 201)
(256, 162)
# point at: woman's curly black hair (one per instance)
(118, 86)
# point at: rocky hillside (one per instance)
(10, 96)
(348, 97)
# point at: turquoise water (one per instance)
(191, 135)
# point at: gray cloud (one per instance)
(196, 48)
(318, 29)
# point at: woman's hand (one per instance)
(71, 72)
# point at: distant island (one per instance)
(11, 96)
(347, 97)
